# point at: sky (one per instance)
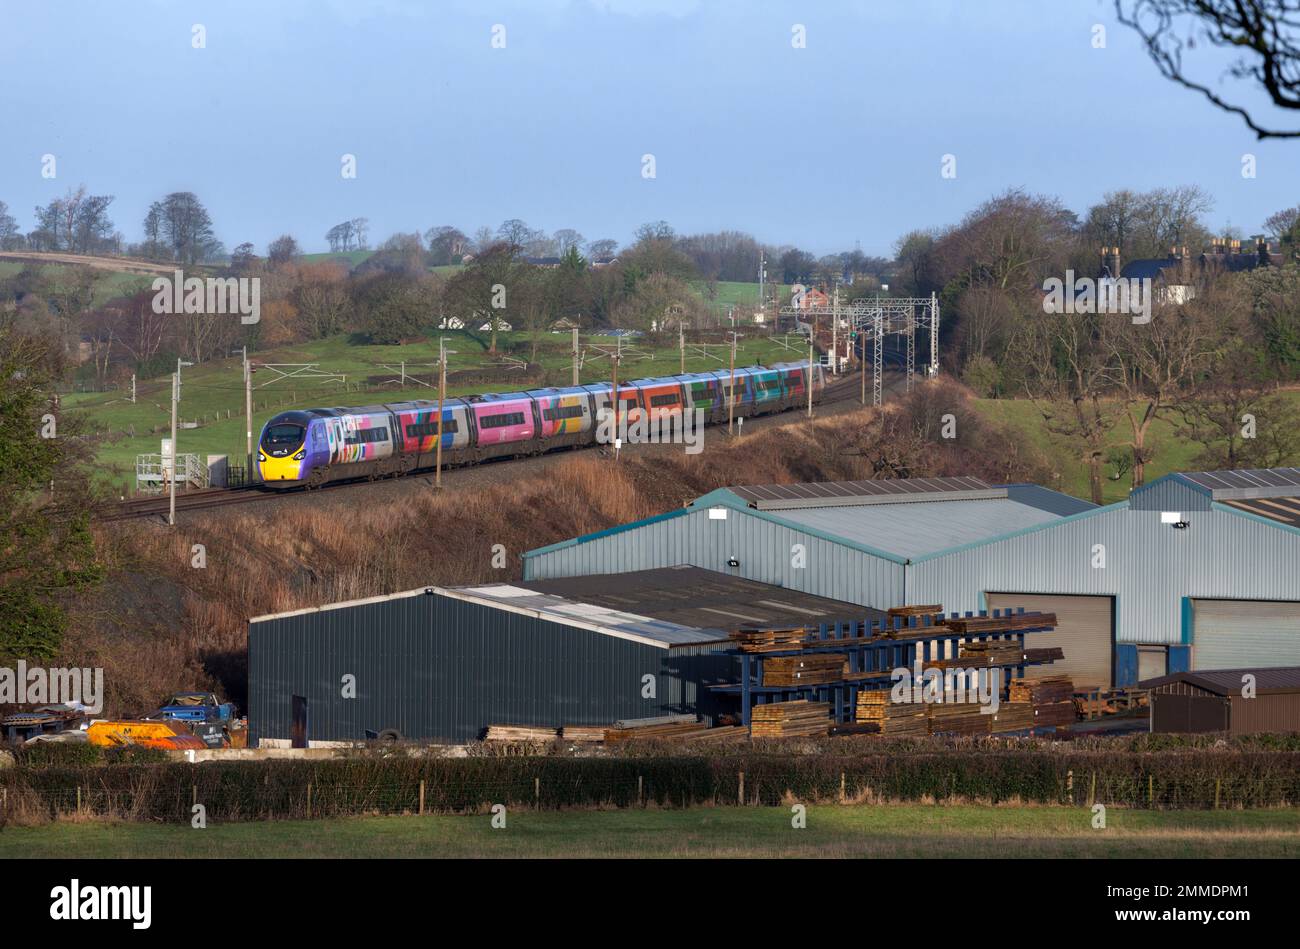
(830, 146)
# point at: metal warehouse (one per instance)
(1197, 570)
(442, 664)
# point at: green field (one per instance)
(111, 285)
(213, 389)
(1171, 452)
(850, 831)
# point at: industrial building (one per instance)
(1218, 701)
(1193, 571)
(442, 664)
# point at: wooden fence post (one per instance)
(1218, 783)
(421, 795)
(309, 800)
(640, 790)
(740, 793)
(537, 792)
(1092, 790)
(842, 794)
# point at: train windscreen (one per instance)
(281, 436)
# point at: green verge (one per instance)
(831, 831)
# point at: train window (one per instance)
(365, 436)
(658, 400)
(283, 435)
(425, 429)
(501, 421)
(559, 412)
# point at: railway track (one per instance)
(142, 508)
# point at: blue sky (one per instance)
(837, 143)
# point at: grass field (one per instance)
(213, 389)
(1172, 453)
(854, 831)
(110, 286)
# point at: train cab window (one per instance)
(284, 435)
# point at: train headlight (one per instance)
(301, 455)
(261, 457)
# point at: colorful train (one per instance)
(310, 447)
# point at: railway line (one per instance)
(837, 394)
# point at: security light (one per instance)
(733, 562)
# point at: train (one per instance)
(312, 447)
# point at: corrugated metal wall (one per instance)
(764, 550)
(1149, 568)
(1167, 494)
(441, 669)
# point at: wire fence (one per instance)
(148, 799)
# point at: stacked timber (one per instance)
(951, 717)
(1044, 654)
(892, 718)
(520, 733)
(811, 669)
(798, 718)
(663, 727)
(770, 640)
(1052, 698)
(905, 611)
(999, 624)
(1013, 717)
(583, 733)
(992, 652)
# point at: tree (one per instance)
(1154, 363)
(283, 250)
(447, 245)
(472, 295)
(340, 237)
(1069, 381)
(566, 238)
(9, 234)
(243, 258)
(1285, 226)
(517, 234)
(1264, 35)
(605, 247)
(321, 299)
(1239, 419)
(46, 548)
(393, 305)
(655, 231)
(153, 231)
(914, 252)
(186, 227)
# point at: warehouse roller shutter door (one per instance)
(1240, 634)
(1085, 631)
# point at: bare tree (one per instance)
(1265, 35)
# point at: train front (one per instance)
(282, 450)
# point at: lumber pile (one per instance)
(1052, 698)
(769, 640)
(935, 610)
(1044, 654)
(798, 718)
(992, 652)
(810, 669)
(583, 732)
(998, 624)
(520, 733)
(951, 717)
(892, 718)
(664, 727)
(1013, 717)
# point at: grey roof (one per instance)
(781, 497)
(915, 530)
(1152, 269)
(1035, 495)
(1283, 510)
(1228, 681)
(1247, 482)
(701, 599)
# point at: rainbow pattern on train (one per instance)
(313, 446)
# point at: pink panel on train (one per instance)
(504, 421)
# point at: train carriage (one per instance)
(308, 447)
